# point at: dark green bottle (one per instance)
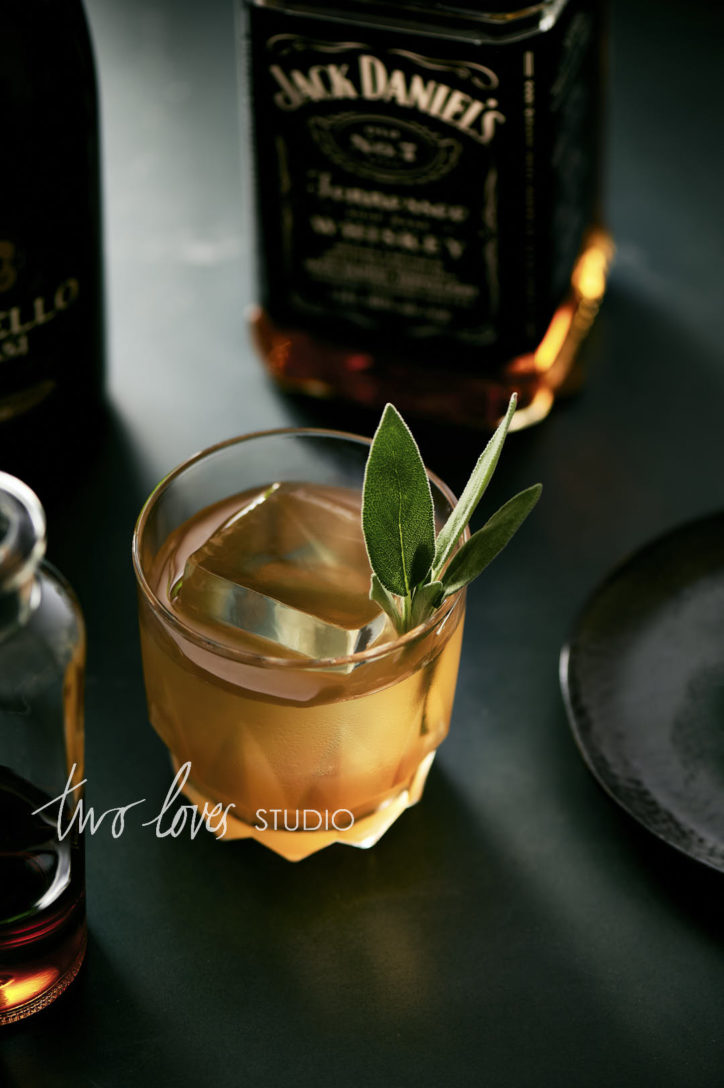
(51, 320)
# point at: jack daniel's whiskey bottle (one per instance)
(427, 198)
(50, 266)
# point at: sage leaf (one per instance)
(397, 512)
(412, 574)
(424, 602)
(473, 492)
(386, 601)
(483, 546)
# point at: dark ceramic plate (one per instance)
(643, 682)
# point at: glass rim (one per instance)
(248, 657)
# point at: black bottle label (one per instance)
(50, 269)
(427, 190)
(49, 322)
(28, 304)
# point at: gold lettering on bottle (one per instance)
(41, 316)
(438, 100)
(455, 104)
(471, 114)
(421, 93)
(66, 294)
(396, 89)
(322, 81)
(16, 325)
(376, 83)
(11, 349)
(310, 87)
(374, 77)
(18, 321)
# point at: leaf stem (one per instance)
(414, 569)
(406, 609)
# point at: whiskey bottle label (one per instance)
(430, 191)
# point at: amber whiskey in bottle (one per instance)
(427, 199)
(42, 660)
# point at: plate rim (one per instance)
(574, 715)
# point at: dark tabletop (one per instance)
(515, 929)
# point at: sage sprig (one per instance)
(413, 570)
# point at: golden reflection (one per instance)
(17, 991)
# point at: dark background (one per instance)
(515, 929)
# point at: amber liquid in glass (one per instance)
(350, 745)
(42, 902)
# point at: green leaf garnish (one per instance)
(397, 515)
(386, 601)
(413, 572)
(425, 600)
(483, 546)
(473, 492)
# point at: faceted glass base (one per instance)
(295, 845)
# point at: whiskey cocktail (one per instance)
(268, 668)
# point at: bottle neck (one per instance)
(22, 546)
(17, 606)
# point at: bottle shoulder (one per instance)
(509, 20)
(59, 618)
(46, 62)
(47, 635)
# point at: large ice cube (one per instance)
(218, 600)
(287, 565)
